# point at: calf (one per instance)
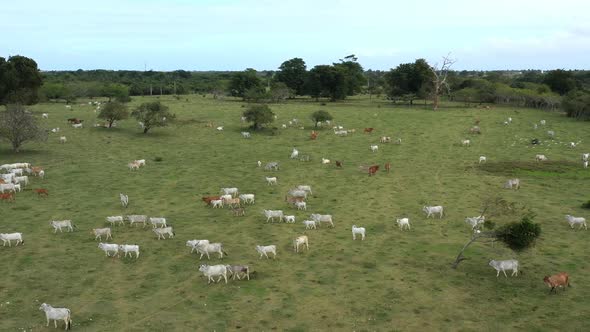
(540, 157)
(124, 199)
(301, 205)
(403, 223)
(387, 166)
(368, 130)
(374, 148)
(557, 280)
(483, 159)
(465, 142)
(41, 191)
(63, 139)
(289, 219)
(338, 164)
(373, 169)
(511, 264)
(385, 139)
(9, 197)
(358, 230)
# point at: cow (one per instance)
(483, 159)
(576, 220)
(264, 250)
(373, 169)
(299, 241)
(58, 224)
(557, 280)
(338, 163)
(403, 223)
(387, 166)
(314, 135)
(130, 248)
(431, 210)
(41, 191)
(211, 271)
(109, 247)
(7, 237)
(271, 214)
(236, 270)
(385, 139)
(99, 232)
(9, 197)
(56, 314)
(368, 130)
(358, 230)
(512, 184)
(511, 264)
(319, 218)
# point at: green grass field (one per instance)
(392, 281)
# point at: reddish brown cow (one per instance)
(369, 130)
(2, 181)
(373, 169)
(41, 191)
(208, 199)
(387, 166)
(338, 163)
(7, 197)
(557, 280)
(314, 135)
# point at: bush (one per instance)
(586, 205)
(158, 159)
(520, 235)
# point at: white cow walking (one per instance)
(56, 314)
(358, 230)
(403, 223)
(431, 210)
(511, 264)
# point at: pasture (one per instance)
(392, 280)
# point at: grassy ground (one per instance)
(391, 281)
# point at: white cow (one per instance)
(194, 244)
(99, 232)
(161, 232)
(325, 161)
(294, 153)
(301, 205)
(17, 171)
(483, 159)
(403, 223)
(512, 183)
(509, 120)
(21, 179)
(327, 218)
(259, 163)
(217, 203)
(299, 241)
(247, 198)
(140, 162)
(551, 133)
(77, 125)
(205, 248)
(211, 271)
(158, 221)
(7, 187)
(511, 264)
(7, 237)
(45, 116)
(271, 214)
(475, 222)
(124, 199)
(576, 220)
(585, 164)
(56, 314)
(540, 157)
(289, 219)
(358, 230)
(585, 156)
(220, 128)
(115, 219)
(431, 210)
(573, 145)
(305, 188)
(136, 219)
(63, 139)
(17, 187)
(130, 248)
(264, 250)
(374, 148)
(42, 174)
(230, 191)
(543, 122)
(271, 180)
(309, 224)
(465, 142)
(58, 224)
(246, 134)
(108, 248)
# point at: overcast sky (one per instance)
(261, 34)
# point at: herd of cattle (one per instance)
(12, 177)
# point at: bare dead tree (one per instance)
(18, 126)
(439, 79)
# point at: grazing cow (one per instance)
(63, 139)
(387, 166)
(114, 219)
(211, 271)
(158, 221)
(310, 224)
(58, 224)
(550, 133)
(271, 214)
(7, 237)
(99, 232)
(124, 199)
(585, 156)
(301, 205)
(403, 223)
(246, 134)
(56, 314)
(512, 184)
(576, 220)
(130, 248)
(45, 116)
(511, 264)
(483, 159)
(305, 188)
(294, 153)
(247, 198)
(557, 280)
(9, 197)
(338, 164)
(475, 222)
(220, 128)
(431, 210)
(204, 248)
(301, 240)
(41, 191)
(385, 139)
(108, 248)
(259, 163)
(465, 142)
(133, 166)
(373, 169)
(230, 191)
(314, 135)
(326, 218)
(236, 270)
(540, 157)
(271, 180)
(161, 232)
(374, 148)
(264, 250)
(289, 219)
(325, 161)
(136, 219)
(543, 122)
(368, 130)
(358, 230)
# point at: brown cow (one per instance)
(36, 169)
(208, 199)
(373, 169)
(2, 181)
(41, 191)
(314, 135)
(557, 280)
(338, 164)
(387, 166)
(369, 130)
(293, 200)
(7, 197)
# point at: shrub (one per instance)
(158, 159)
(586, 205)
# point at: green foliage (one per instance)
(158, 159)
(153, 114)
(18, 126)
(353, 73)
(320, 116)
(20, 80)
(256, 94)
(408, 80)
(327, 81)
(259, 115)
(586, 205)
(279, 91)
(293, 74)
(576, 104)
(118, 91)
(560, 81)
(244, 81)
(519, 236)
(113, 111)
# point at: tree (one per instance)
(327, 81)
(153, 114)
(409, 80)
(320, 116)
(560, 81)
(516, 235)
(18, 126)
(576, 104)
(113, 111)
(118, 91)
(20, 80)
(353, 73)
(279, 91)
(244, 81)
(259, 115)
(293, 73)
(439, 79)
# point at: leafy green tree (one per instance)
(18, 126)
(153, 114)
(117, 91)
(327, 81)
(20, 80)
(256, 94)
(113, 111)
(279, 91)
(576, 104)
(560, 81)
(320, 116)
(293, 73)
(408, 80)
(259, 115)
(353, 73)
(244, 81)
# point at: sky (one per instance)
(204, 35)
